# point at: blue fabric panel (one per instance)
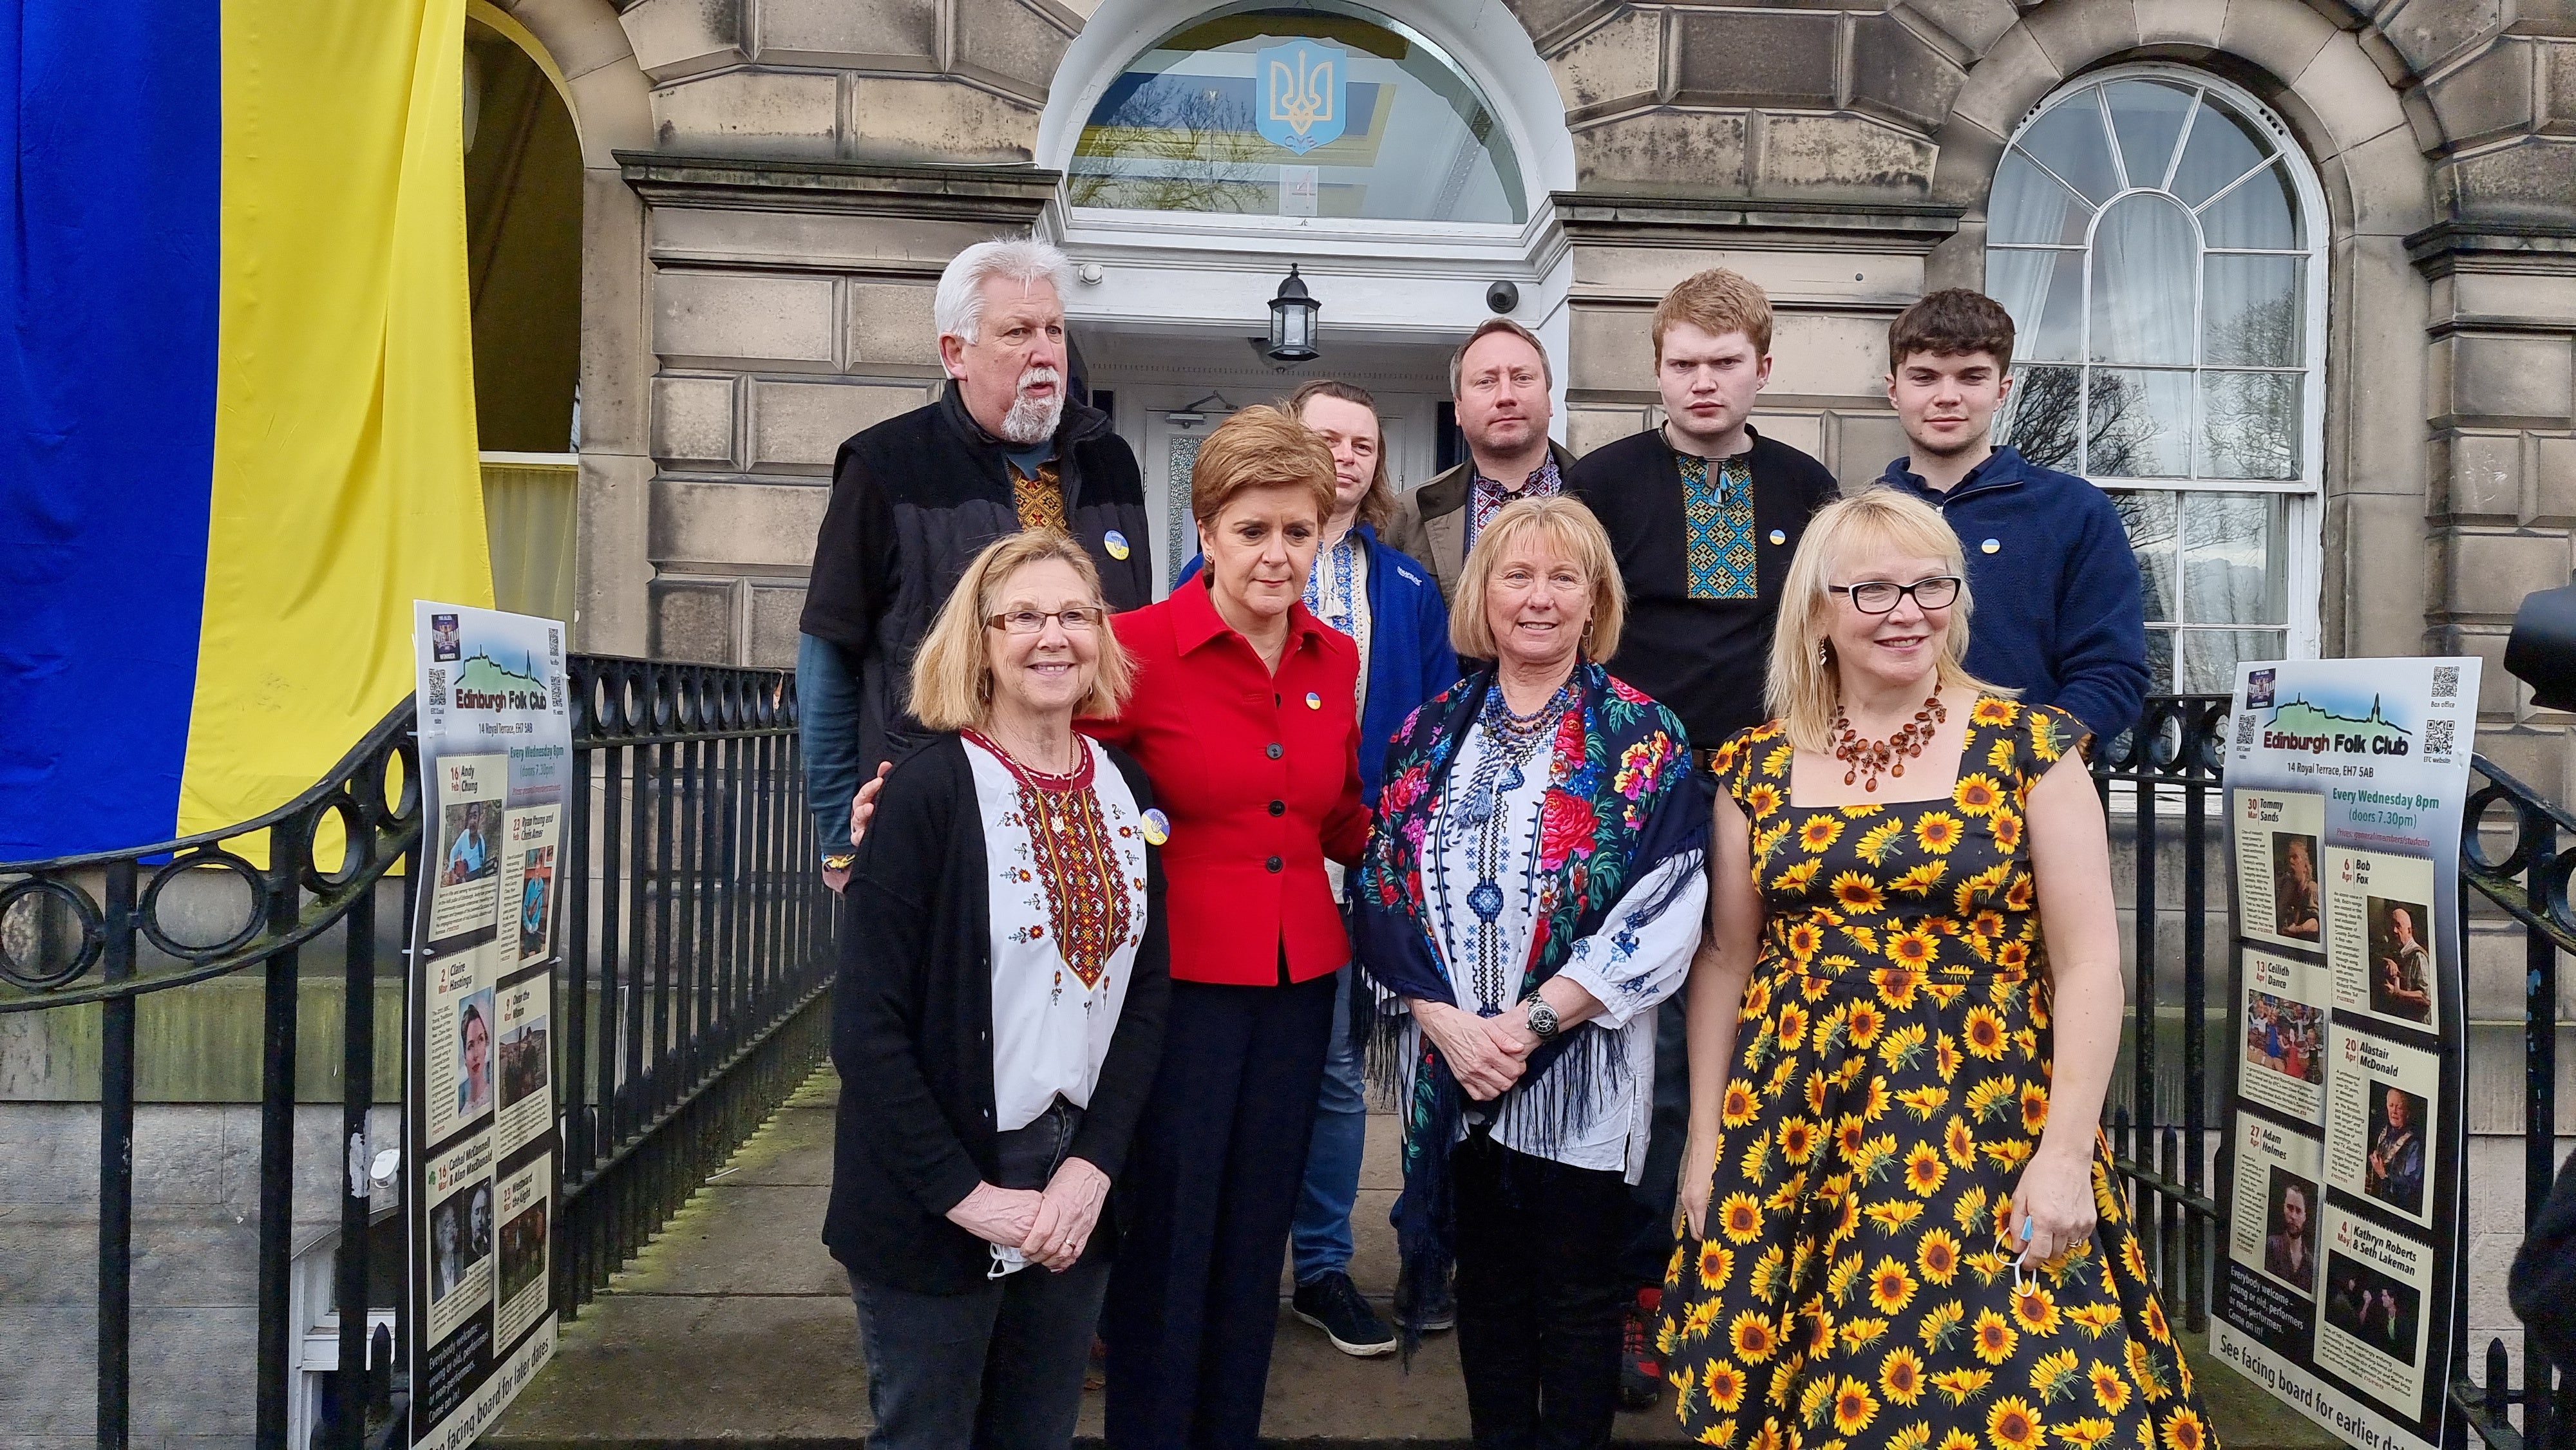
(114, 130)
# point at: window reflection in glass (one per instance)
(2147, 116)
(2233, 571)
(2206, 659)
(2148, 516)
(1400, 132)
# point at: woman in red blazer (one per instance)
(1243, 719)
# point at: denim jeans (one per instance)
(1320, 1237)
(1000, 1366)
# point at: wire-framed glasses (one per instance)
(1076, 619)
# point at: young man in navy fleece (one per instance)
(2057, 592)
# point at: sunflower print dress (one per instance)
(1891, 1081)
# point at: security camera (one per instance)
(1502, 297)
(2542, 649)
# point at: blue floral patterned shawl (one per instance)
(1621, 800)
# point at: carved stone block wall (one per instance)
(789, 307)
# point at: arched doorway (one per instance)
(1205, 150)
(523, 184)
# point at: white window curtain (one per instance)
(2158, 242)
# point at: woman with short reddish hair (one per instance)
(1243, 718)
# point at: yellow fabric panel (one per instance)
(345, 477)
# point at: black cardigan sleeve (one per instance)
(1136, 1046)
(888, 956)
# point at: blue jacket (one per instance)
(1409, 655)
(2058, 613)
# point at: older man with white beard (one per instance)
(916, 497)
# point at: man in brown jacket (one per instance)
(1500, 382)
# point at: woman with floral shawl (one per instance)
(1532, 892)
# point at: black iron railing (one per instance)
(2528, 881)
(2159, 783)
(693, 957)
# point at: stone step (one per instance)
(734, 1329)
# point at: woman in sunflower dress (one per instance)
(1901, 1028)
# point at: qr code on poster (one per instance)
(2446, 682)
(438, 689)
(2245, 731)
(2437, 739)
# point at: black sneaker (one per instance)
(1641, 1368)
(1333, 1304)
(1441, 1313)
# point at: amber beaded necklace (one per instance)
(1889, 755)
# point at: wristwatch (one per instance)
(1542, 1018)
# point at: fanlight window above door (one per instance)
(1326, 110)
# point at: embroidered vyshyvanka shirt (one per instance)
(1486, 497)
(1717, 508)
(1481, 922)
(1068, 909)
(1337, 593)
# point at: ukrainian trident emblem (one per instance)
(1301, 94)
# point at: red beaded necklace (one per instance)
(1887, 755)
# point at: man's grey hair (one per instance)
(958, 309)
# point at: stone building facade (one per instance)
(771, 186)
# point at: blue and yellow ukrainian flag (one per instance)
(236, 399)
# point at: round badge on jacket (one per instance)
(1158, 828)
(1116, 543)
(1314, 701)
(1992, 545)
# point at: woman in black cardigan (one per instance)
(999, 1015)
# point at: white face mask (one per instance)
(1032, 420)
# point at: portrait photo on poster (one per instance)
(2380, 938)
(2290, 1230)
(2382, 1117)
(521, 1298)
(2277, 1209)
(525, 1059)
(528, 890)
(2278, 853)
(2394, 1173)
(465, 875)
(460, 1227)
(475, 1032)
(536, 901)
(445, 640)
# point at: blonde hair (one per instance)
(1577, 535)
(952, 673)
(1804, 687)
(1260, 447)
(1716, 302)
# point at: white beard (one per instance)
(1032, 420)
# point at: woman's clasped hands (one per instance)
(1051, 1227)
(1486, 1054)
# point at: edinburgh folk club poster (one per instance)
(481, 1179)
(2346, 782)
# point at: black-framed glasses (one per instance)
(1078, 619)
(1879, 596)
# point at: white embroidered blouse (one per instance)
(1067, 894)
(1630, 965)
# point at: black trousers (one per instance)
(1540, 1294)
(1203, 1213)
